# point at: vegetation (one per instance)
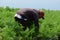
(11, 30)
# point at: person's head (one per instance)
(41, 14)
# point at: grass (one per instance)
(10, 30)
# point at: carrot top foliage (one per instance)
(11, 30)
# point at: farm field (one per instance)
(11, 30)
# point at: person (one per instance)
(27, 15)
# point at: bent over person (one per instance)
(26, 15)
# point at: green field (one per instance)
(10, 30)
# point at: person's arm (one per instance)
(36, 23)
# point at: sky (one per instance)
(38, 4)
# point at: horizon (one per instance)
(37, 4)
